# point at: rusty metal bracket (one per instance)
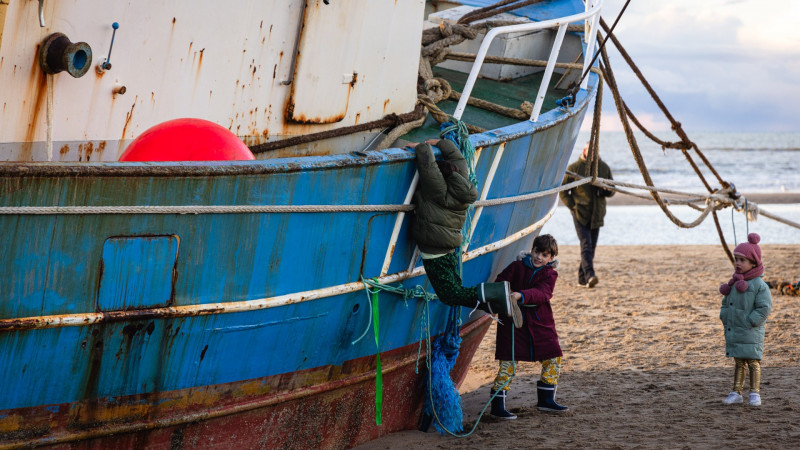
(41, 13)
(300, 21)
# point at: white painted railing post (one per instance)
(561, 23)
(590, 35)
(548, 72)
(485, 191)
(398, 223)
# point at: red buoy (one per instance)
(187, 140)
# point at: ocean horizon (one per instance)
(648, 225)
(754, 162)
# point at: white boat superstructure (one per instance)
(294, 71)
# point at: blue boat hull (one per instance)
(103, 327)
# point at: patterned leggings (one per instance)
(551, 369)
(443, 275)
(739, 372)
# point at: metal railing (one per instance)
(593, 8)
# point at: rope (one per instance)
(390, 120)
(684, 145)
(610, 80)
(721, 198)
(575, 89)
(245, 209)
(718, 196)
(532, 195)
(494, 9)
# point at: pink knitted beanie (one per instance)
(750, 249)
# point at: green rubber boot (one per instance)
(495, 298)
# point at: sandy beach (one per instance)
(644, 362)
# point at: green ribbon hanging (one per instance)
(378, 371)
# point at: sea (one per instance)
(756, 163)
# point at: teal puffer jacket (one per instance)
(441, 202)
(743, 315)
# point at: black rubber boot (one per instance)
(495, 298)
(547, 397)
(499, 406)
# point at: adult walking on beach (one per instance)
(587, 203)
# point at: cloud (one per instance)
(717, 65)
(609, 121)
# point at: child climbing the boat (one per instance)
(746, 305)
(533, 277)
(441, 203)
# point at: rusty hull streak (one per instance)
(38, 82)
(199, 65)
(233, 399)
(128, 118)
(12, 169)
(303, 119)
(289, 108)
(312, 120)
(27, 323)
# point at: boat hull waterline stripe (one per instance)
(73, 320)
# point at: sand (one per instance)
(644, 362)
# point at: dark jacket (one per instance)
(743, 315)
(587, 202)
(441, 202)
(537, 340)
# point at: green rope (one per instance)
(460, 135)
(373, 287)
(378, 370)
(457, 131)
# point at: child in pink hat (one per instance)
(745, 308)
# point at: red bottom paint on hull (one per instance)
(325, 407)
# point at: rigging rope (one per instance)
(577, 85)
(495, 9)
(684, 145)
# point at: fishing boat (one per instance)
(220, 303)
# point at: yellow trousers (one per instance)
(741, 366)
(551, 369)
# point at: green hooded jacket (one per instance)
(743, 315)
(441, 202)
(587, 202)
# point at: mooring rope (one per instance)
(718, 199)
(249, 209)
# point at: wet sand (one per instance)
(644, 362)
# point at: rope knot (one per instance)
(526, 107)
(437, 89)
(466, 31)
(446, 29)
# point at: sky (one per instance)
(718, 65)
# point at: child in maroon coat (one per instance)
(532, 277)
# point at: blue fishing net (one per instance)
(442, 391)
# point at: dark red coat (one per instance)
(537, 339)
